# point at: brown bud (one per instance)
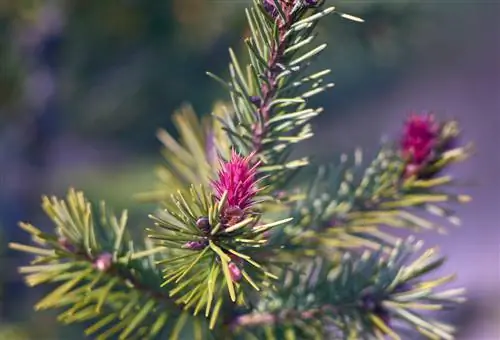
(203, 224)
(196, 245)
(232, 215)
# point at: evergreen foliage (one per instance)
(236, 248)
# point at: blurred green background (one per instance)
(85, 84)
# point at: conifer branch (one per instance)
(321, 301)
(269, 84)
(193, 157)
(345, 204)
(235, 252)
(100, 274)
(270, 100)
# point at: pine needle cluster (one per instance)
(238, 248)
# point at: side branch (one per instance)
(104, 263)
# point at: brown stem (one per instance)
(256, 319)
(268, 88)
(143, 288)
(128, 278)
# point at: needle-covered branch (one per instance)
(363, 296)
(100, 275)
(194, 156)
(214, 235)
(270, 94)
(345, 205)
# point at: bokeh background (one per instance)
(85, 84)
